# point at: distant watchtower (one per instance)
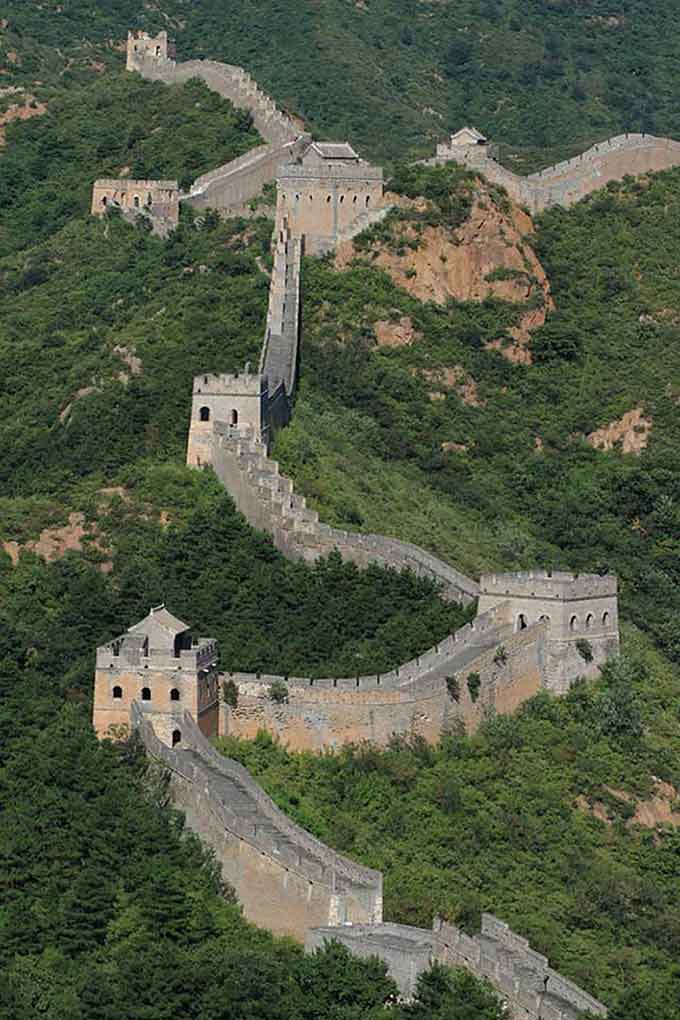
(142, 48)
(158, 664)
(580, 611)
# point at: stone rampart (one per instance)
(285, 879)
(567, 182)
(530, 988)
(268, 501)
(231, 187)
(494, 672)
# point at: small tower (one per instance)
(158, 664)
(142, 48)
(579, 611)
(230, 404)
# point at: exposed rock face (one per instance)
(396, 334)
(631, 433)
(54, 543)
(487, 256)
(659, 809)
(454, 378)
(20, 111)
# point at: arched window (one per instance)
(205, 414)
(589, 621)
(573, 623)
(176, 737)
(522, 622)
(234, 418)
(354, 200)
(368, 199)
(136, 201)
(104, 200)
(158, 51)
(297, 198)
(149, 200)
(342, 199)
(118, 693)
(146, 694)
(174, 694)
(605, 619)
(328, 199)
(311, 198)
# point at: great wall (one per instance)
(535, 630)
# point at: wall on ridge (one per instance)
(530, 988)
(230, 187)
(269, 503)
(285, 879)
(328, 713)
(568, 182)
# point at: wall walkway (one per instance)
(285, 879)
(568, 182)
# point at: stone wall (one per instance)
(285, 879)
(569, 181)
(229, 188)
(157, 201)
(413, 699)
(267, 499)
(531, 989)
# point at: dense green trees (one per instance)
(395, 75)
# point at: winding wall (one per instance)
(285, 879)
(232, 186)
(568, 182)
(267, 499)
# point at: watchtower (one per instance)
(161, 666)
(231, 403)
(580, 612)
(465, 146)
(142, 47)
(158, 201)
(325, 193)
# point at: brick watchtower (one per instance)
(158, 664)
(580, 611)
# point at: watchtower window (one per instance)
(117, 693)
(146, 694)
(145, 648)
(354, 200)
(342, 199)
(605, 619)
(105, 200)
(589, 621)
(136, 201)
(174, 694)
(158, 51)
(328, 199)
(522, 622)
(176, 737)
(149, 200)
(573, 623)
(368, 199)
(234, 418)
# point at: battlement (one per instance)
(362, 171)
(285, 879)
(546, 584)
(226, 384)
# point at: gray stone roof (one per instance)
(335, 150)
(159, 617)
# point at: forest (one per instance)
(108, 908)
(394, 76)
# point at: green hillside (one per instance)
(395, 75)
(102, 327)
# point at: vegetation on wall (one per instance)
(534, 819)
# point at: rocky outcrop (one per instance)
(629, 434)
(487, 256)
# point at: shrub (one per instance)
(474, 682)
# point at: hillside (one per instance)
(396, 76)
(502, 392)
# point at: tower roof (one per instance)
(159, 618)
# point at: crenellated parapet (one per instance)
(285, 879)
(571, 180)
